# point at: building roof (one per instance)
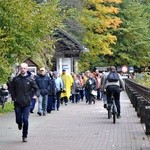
(30, 62)
(67, 45)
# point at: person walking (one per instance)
(76, 89)
(90, 85)
(51, 94)
(43, 81)
(34, 98)
(67, 81)
(21, 92)
(59, 87)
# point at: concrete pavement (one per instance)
(77, 127)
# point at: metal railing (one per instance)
(141, 90)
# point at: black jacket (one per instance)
(22, 90)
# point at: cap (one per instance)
(42, 69)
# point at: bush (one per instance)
(9, 107)
(143, 79)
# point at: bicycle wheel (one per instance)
(114, 115)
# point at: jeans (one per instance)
(42, 104)
(116, 94)
(22, 116)
(33, 101)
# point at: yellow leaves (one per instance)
(113, 22)
(99, 43)
(112, 10)
(113, 1)
(109, 1)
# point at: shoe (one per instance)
(118, 116)
(40, 114)
(49, 112)
(31, 112)
(105, 105)
(108, 107)
(66, 104)
(20, 126)
(44, 113)
(57, 109)
(24, 139)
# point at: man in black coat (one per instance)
(21, 91)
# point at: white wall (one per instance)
(64, 63)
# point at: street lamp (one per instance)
(85, 50)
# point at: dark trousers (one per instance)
(75, 98)
(22, 117)
(58, 99)
(116, 93)
(89, 97)
(64, 99)
(98, 94)
(82, 94)
(50, 103)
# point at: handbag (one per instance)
(93, 92)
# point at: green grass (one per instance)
(9, 107)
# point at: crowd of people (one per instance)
(50, 90)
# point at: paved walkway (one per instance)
(77, 127)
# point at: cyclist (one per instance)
(113, 86)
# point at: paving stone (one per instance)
(77, 127)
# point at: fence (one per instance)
(140, 99)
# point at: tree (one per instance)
(26, 29)
(99, 18)
(133, 44)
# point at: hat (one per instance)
(42, 69)
(64, 70)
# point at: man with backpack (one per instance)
(112, 83)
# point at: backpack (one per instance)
(113, 77)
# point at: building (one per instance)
(67, 52)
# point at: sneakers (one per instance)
(24, 139)
(40, 114)
(20, 126)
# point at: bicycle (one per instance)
(112, 109)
